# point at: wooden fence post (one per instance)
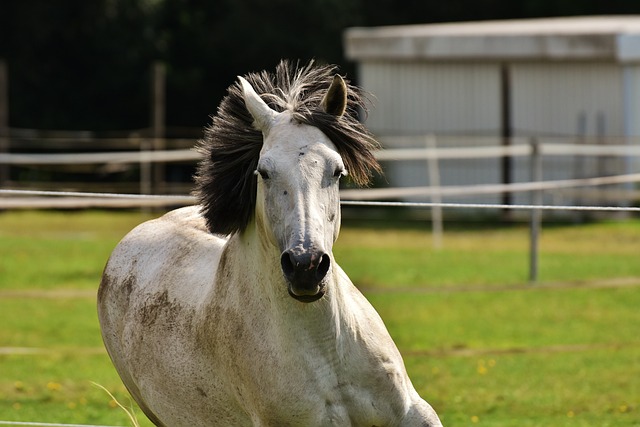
(434, 182)
(506, 162)
(4, 120)
(158, 100)
(536, 214)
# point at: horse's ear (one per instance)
(262, 114)
(335, 100)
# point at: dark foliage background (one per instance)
(84, 64)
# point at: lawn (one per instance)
(480, 344)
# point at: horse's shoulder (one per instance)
(179, 235)
(189, 217)
(179, 226)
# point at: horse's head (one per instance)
(297, 202)
(298, 129)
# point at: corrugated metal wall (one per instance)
(464, 98)
(414, 97)
(631, 94)
(567, 99)
(580, 100)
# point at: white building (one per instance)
(504, 80)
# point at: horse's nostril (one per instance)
(287, 262)
(323, 267)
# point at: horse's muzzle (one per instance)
(305, 273)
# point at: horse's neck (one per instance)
(252, 296)
(258, 282)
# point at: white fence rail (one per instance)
(114, 157)
(392, 154)
(433, 155)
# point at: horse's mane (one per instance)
(225, 180)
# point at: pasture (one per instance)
(481, 345)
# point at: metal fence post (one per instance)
(536, 214)
(434, 182)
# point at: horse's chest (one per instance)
(320, 405)
(306, 384)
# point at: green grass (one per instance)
(59, 249)
(57, 387)
(532, 389)
(480, 344)
(486, 256)
(525, 358)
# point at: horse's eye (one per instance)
(263, 174)
(339, 172)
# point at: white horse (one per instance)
(235, 313)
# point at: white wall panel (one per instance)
(592, 99)
(417, 97)
(631, 93)
(551, 98)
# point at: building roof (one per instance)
(609, 38)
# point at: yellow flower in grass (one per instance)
(481, 368)
(475, 419)
(53, 386)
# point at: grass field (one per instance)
(480, 344)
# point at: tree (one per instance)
(85, 64)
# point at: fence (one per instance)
(534, 150)
(439, 167)
(84, 161)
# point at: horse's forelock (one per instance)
(225, 183)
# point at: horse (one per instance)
(234, 312)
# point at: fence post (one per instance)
(434, 182)
(4, 120)
(579, 165)
(506, 162)
(536, 214)
(145, 163)
(158, 79)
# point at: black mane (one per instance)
(225, 182)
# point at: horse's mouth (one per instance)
(306, 298)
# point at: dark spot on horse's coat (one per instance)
(129, 284)
(152, 308)
(159, 307)
(104, 284)
(201, 392)
(301, 153)
(123, 292)
(285, 192)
